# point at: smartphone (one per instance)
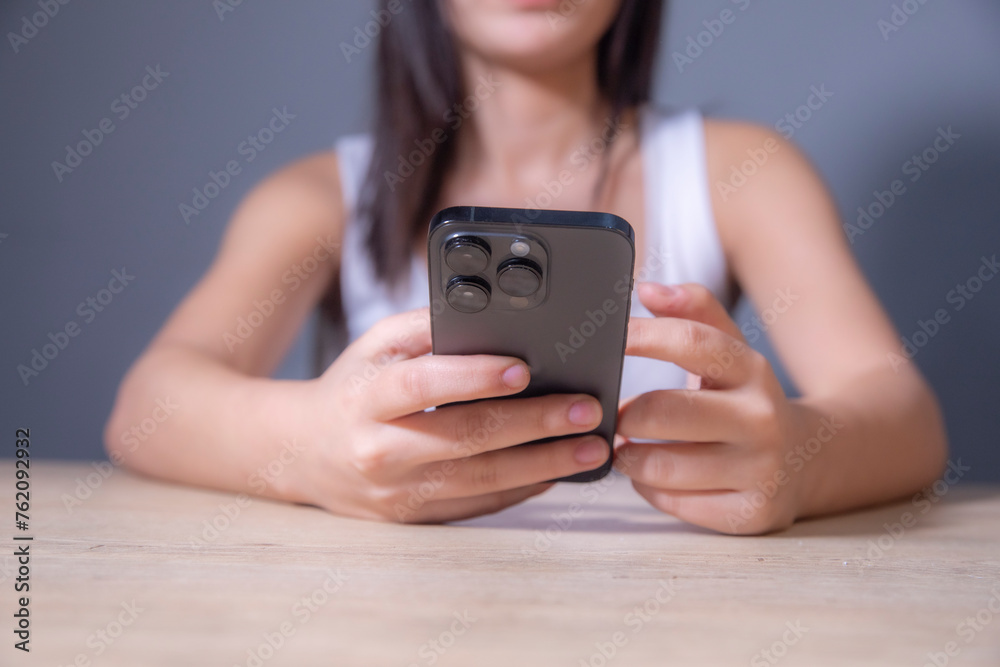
(552, 288)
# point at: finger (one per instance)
(681, 414)
(437, 511)
(693, 382)
(682, 466)
(690, 301)
(400, 336)
(413, 385)
(699, 348)
(724, 511)
(461, 431)
(703, 508)
(517, 467)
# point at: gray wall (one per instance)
(119, 207)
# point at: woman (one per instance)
(484, 102)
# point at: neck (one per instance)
(525, 125)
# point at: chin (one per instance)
(531, 33)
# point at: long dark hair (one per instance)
(419, 84)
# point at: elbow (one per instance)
(932, 434)
(116, 432)
(121, 437)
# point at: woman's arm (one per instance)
(745, 458)
(359, 440)
(782, 232)
(202, 380)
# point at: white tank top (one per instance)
(680, 233)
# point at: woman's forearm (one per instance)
(879, 439)
(183, 416)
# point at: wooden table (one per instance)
(135, 573)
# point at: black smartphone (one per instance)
(552, 288)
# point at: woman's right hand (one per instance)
(380, 456)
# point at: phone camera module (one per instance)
(519, 277)
(468, 294)
(467, 254)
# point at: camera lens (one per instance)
(519, 277)
(467, 254)
(468, 294)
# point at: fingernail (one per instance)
(516, 376)
(669, 292)
(583, 413)
(591, 451)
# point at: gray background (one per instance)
(120, 206)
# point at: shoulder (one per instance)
(727, 140)
(746, 161)
(306, 181)
(291, 205)
(753, 171)
(736, 152)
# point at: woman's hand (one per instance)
(383, 457)
(731, 440)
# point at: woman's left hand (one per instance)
(726, 465)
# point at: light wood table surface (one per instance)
(132, 576)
